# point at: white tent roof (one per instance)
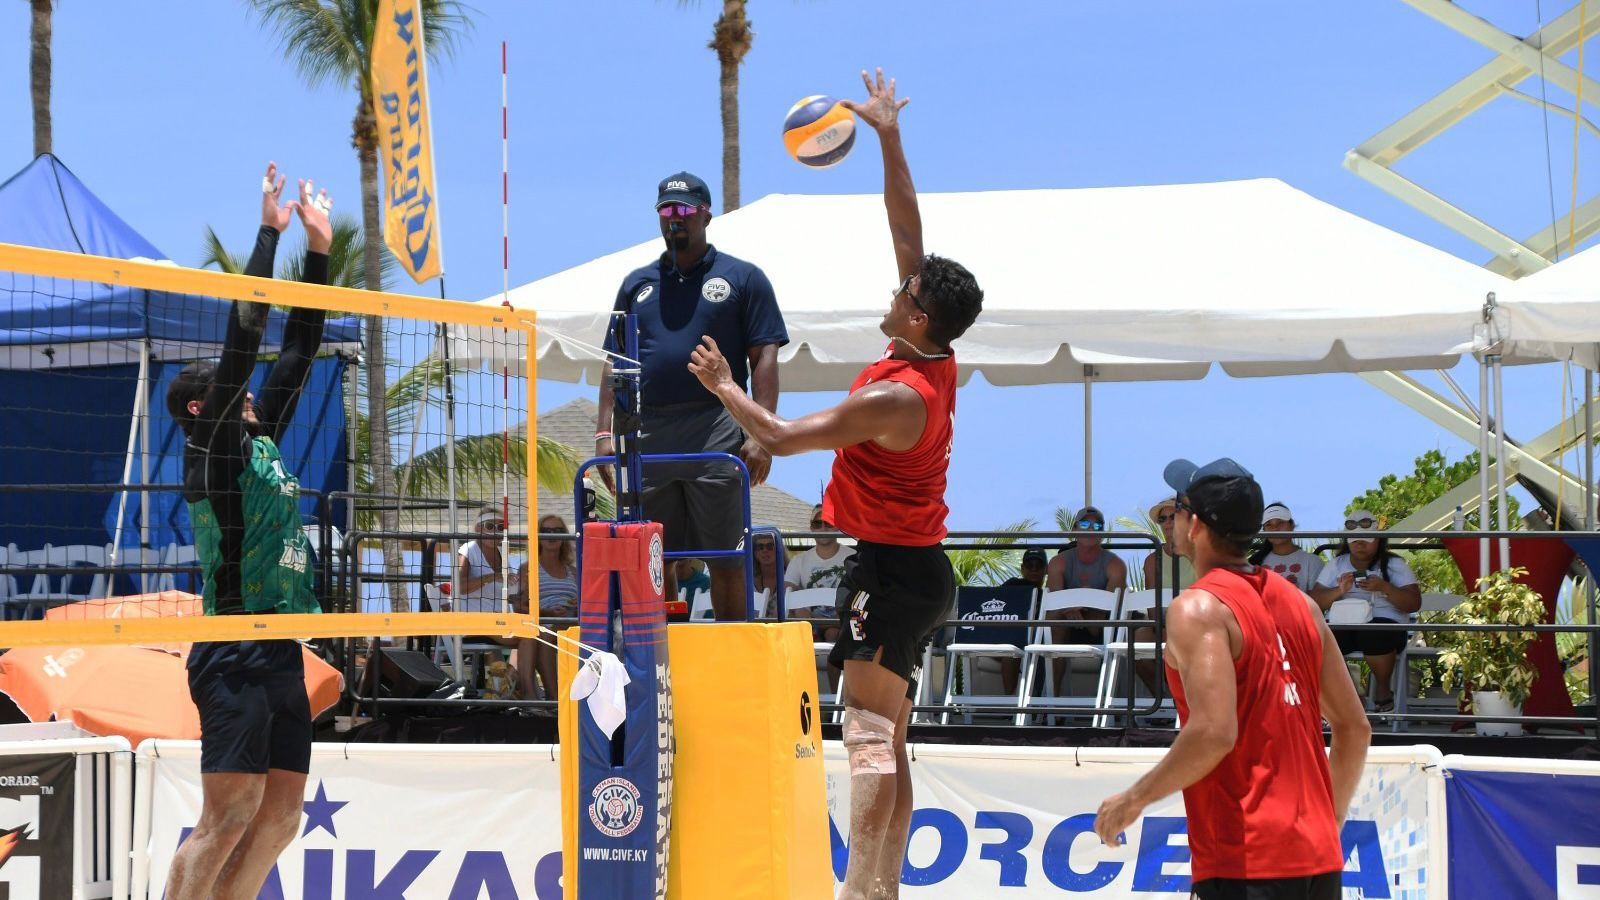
(1144, 283)
(1555, 313)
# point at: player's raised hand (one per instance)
(314, 216)
(271, 190)
(880, 110)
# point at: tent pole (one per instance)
(1088, 435)
(1504, 514)
(1483, 467)
(127, 456)
(144, 462)
(1589, 516)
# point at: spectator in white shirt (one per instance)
(1298, 566)
(822, 566)
(1367, 583)
(480, 566)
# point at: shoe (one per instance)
(1383, 706)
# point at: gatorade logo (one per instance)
(615, 810)
(658, 572)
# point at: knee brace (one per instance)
(869, 738)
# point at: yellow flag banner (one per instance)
(400, 99)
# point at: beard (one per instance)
(677, 242)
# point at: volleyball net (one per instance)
(417, 470)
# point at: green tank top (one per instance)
(275, 566)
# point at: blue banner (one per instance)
(1523, 835)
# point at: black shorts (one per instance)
(1312, 887)
(700, 505)
(252, 724)
(894, 598)
(1371, 643)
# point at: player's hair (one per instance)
(951, 294)
(190, 384)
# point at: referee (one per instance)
(255, 719)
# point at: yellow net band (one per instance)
(190, 629)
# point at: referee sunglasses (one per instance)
(676, 210)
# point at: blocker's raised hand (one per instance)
(271, 190)
(314, 216)
(881, 110)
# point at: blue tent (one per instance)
(77, 359)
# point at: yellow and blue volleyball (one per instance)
(819, 131)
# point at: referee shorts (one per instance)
(893, 599)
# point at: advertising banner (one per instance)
(37, 815)
(1529, 833)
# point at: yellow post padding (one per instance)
(749, 802)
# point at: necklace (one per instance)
(918, 351)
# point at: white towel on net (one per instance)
(602, 681)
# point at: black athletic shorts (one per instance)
(252, 724)
(1371, 643)
(896, 598)
(1312, 887)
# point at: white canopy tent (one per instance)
(1137, 283)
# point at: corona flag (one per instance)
(400, 100)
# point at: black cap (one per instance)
(1033, 554)
(683, 188)
(1221, 493)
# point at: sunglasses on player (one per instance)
(905, 288)
(676, 210)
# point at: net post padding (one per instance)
(517, 325)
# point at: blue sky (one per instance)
(169, 110)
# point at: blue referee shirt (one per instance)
(723, 296)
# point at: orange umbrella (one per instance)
(137, 692)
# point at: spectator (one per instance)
(1367, 583)
(558, 599)
(480, 566)
(691, 291)
(1031, 572)
(1282, 555)
(822, 566)
(1164, 514)
(1084, 564)
(692, 579)
(766, 573)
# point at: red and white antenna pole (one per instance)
(505, 362)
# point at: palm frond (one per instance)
(330, 41)
(215, 253)
(345, 260)
(992, 563)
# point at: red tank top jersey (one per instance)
(890, 497)
(1266, 810)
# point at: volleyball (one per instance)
(819, 131)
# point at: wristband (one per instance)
(602, 435)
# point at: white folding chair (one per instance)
(1042, 649)
(1414, 650)
(1125, 647)
(176, 555)
(8, 583)
(807, 599)
(958, 653)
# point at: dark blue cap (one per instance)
(683, 188)
(1221, 493)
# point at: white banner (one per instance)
(1018, 822)
(470, 822)
(394, 821)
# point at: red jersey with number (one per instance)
(897, 497)
(1266, 810)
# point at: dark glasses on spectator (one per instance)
(768, 548)
(676, 211)
(1091, 525)
(1164, 518)
(905, 288)
(818, 525)
(1359, 523)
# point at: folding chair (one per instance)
(174, 556)
(1416, 649)
(1124, 647)
(1041, 648)
(984, 604)
(807, 599)
(72, 587)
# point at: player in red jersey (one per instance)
(1254, 671)
(892, 436)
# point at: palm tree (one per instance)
(731, 38)
(331, 41)
(992, 563)
(39, 74)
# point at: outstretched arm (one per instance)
(302, 334)
(224, 402)
(888, 412)
(881, 111)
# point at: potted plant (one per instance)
(1494, 664)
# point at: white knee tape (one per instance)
(869, 738)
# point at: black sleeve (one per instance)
(219, 429)
(302, 336)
